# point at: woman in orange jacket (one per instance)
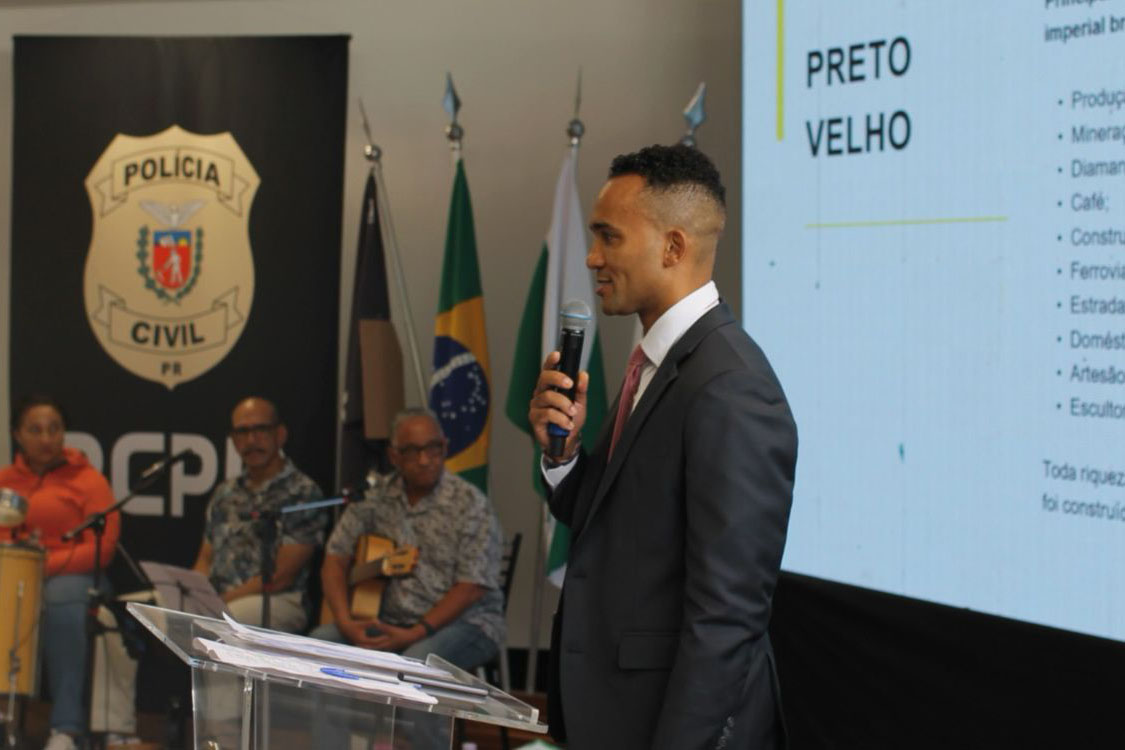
(62, 489)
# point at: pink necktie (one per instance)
(628, 391)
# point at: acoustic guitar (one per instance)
(376, 560)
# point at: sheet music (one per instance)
(184, 589)
(294, 666)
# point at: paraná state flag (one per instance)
(560, 276)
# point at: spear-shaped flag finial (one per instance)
(371, 152)
(694, 114)
(575, 129)
(452, 105)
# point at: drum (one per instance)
(13, 508)
(21, 603)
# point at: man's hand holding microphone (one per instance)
(558, 406)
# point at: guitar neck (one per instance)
(364, 571)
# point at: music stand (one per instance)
(184, 589)
(269, 531)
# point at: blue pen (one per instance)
(340, 672)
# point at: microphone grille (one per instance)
(575, 314)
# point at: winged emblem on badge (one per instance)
(171, 214)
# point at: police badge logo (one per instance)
(156, 305)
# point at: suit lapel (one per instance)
(665, 375)
(596, 463)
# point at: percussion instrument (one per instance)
(21, 603)
(13, 508)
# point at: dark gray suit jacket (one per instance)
(660, 638)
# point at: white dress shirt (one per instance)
(661, 337)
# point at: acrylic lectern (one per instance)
(254, 689)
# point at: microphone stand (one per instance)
(269, 530)
(95, 596)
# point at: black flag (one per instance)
(373, 390)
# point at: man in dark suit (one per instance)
(679, 515)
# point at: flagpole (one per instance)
(374, 156)
(575, 129)
(455, 134)
(694, 115)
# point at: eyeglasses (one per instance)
(432, 449)
(246, 430)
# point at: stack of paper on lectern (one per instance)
(295, 666)
(313, 647)
(361, 663)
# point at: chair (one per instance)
(496, 671)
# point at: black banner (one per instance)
(176, 246)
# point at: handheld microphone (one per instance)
(166, 463)
(574, 318)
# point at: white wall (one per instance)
(514, 63)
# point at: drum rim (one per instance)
(23, 545)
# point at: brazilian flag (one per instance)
(460, 391)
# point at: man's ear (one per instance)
(282, 435)
(675, 247)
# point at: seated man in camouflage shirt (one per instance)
(450, 604)
(231, 553)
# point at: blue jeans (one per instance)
(460, 643)
(64, 648)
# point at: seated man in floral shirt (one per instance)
(450, 603)
(231, 553)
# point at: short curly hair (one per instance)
(670, 167)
